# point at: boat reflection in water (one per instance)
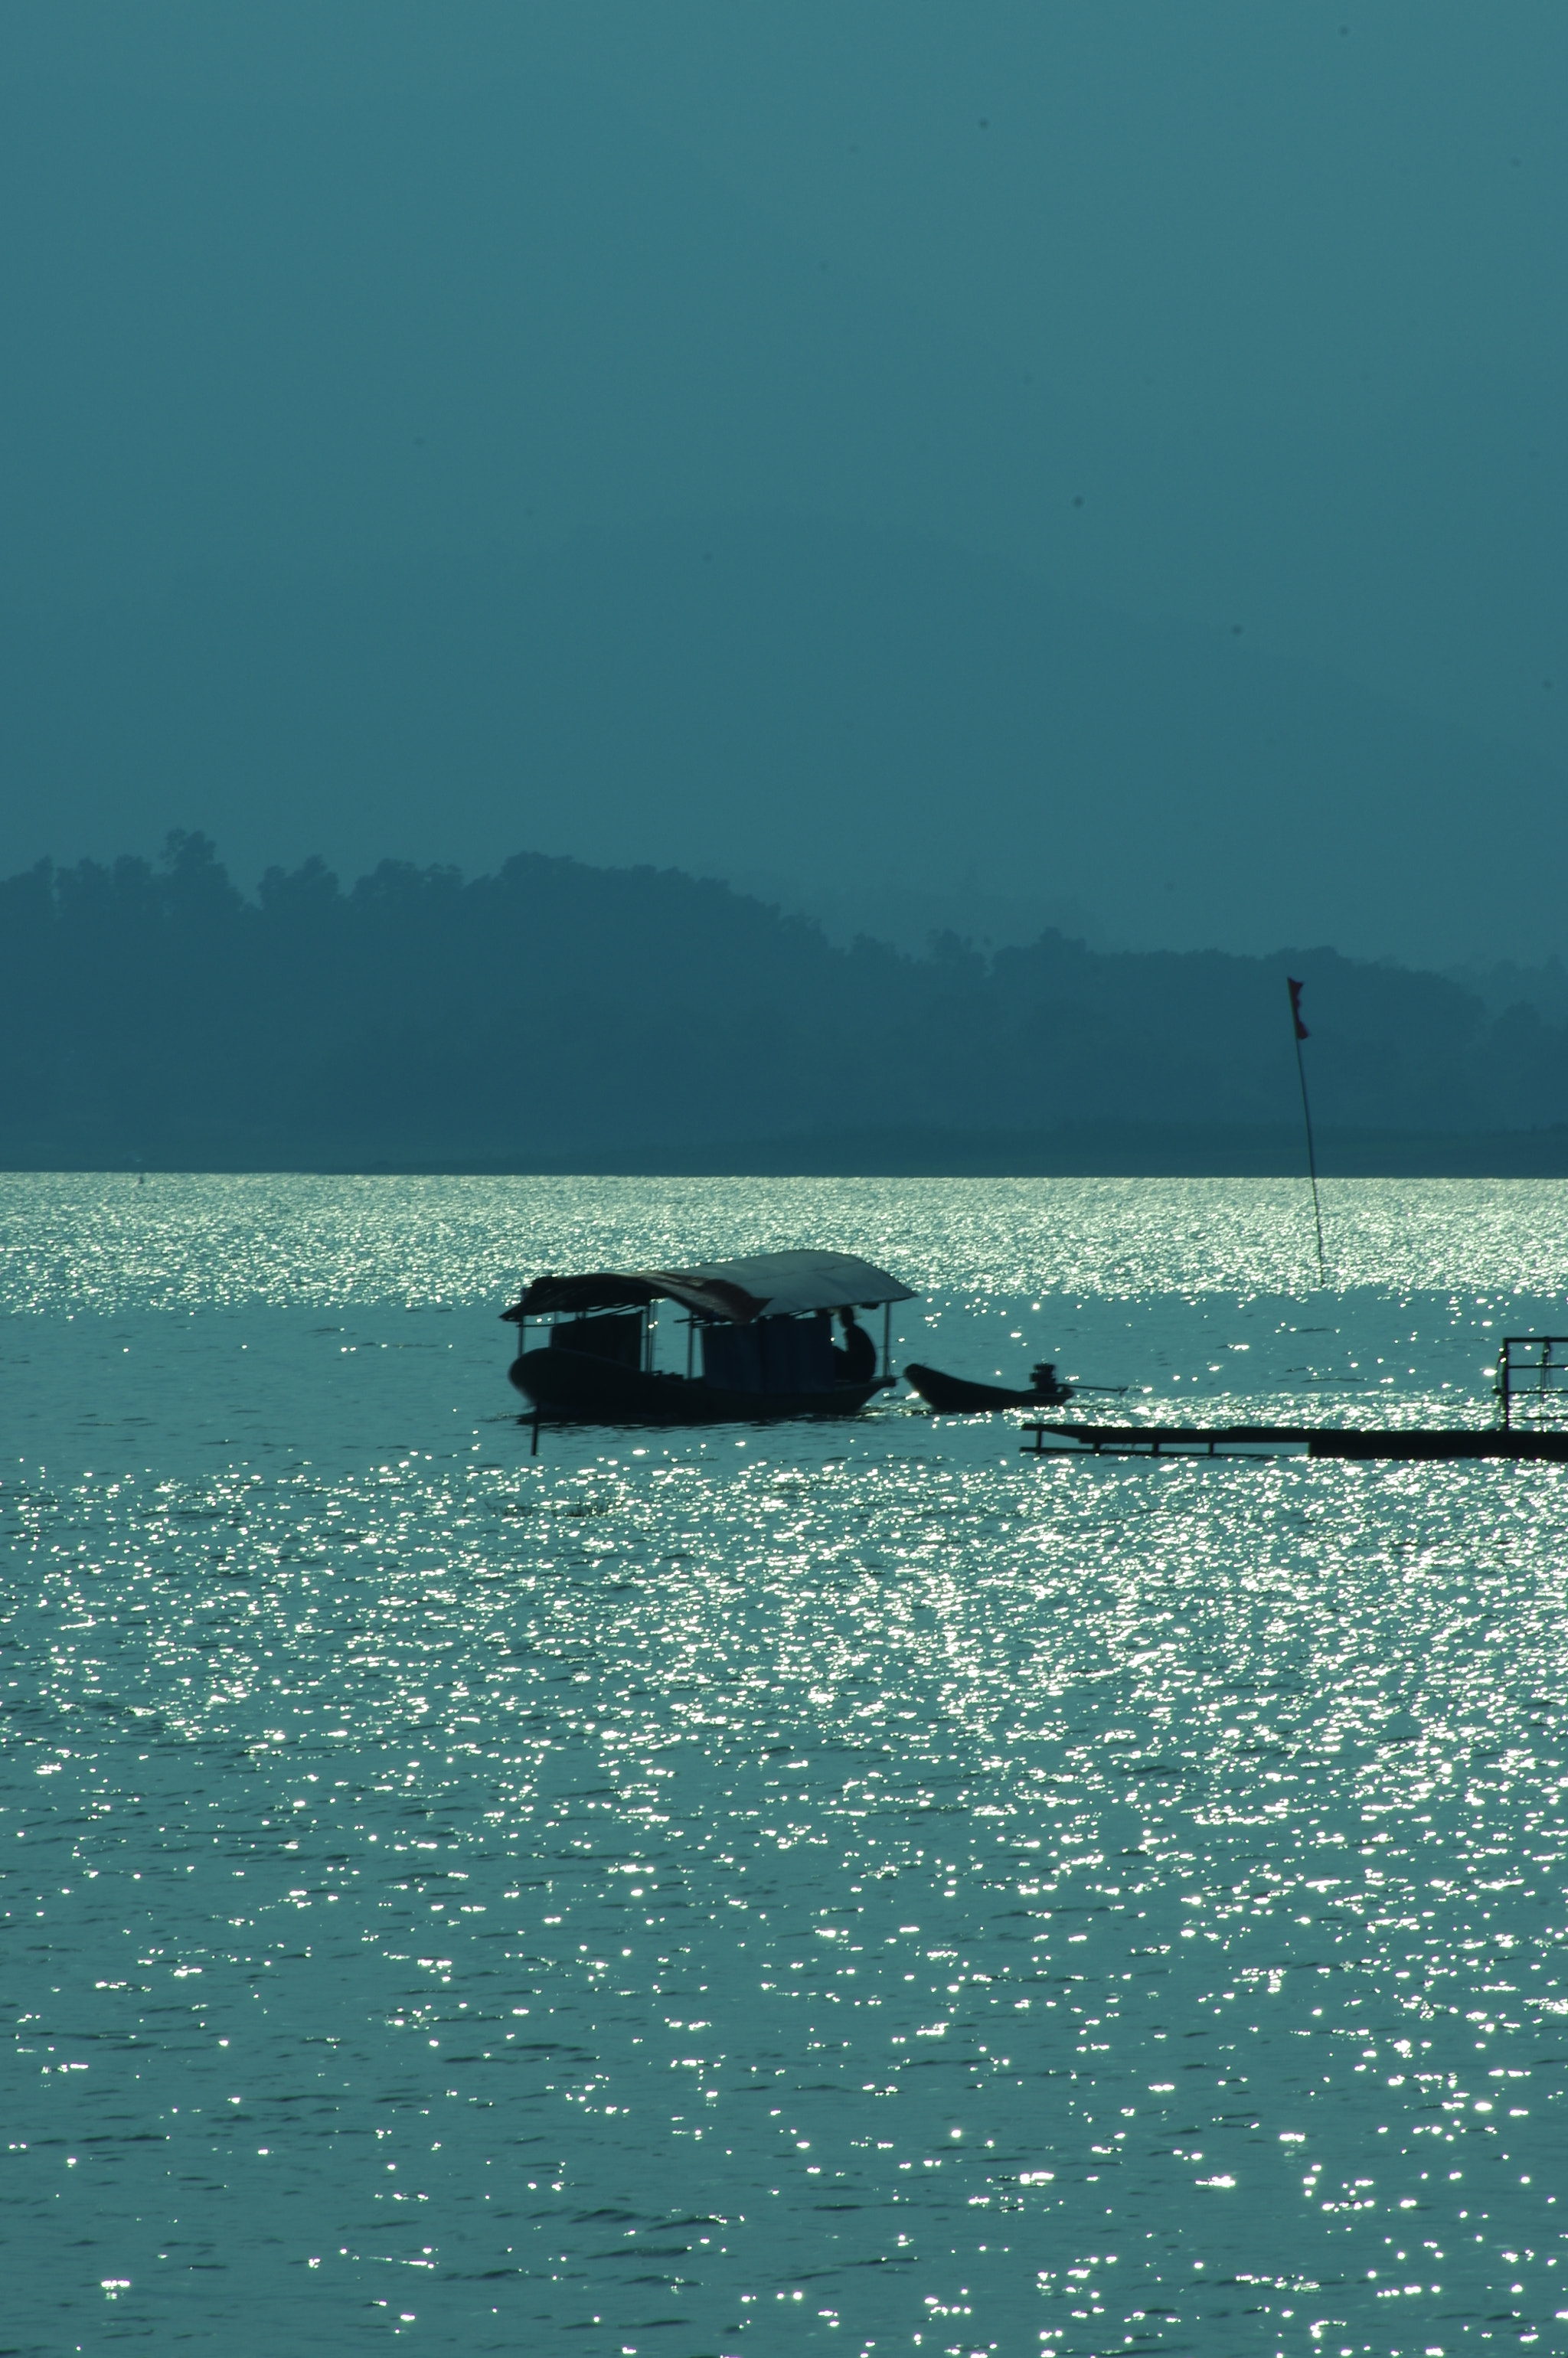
(763, 1325)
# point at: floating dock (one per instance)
(1532, 1368)
(1271, 1439)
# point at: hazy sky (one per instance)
(1245, 320)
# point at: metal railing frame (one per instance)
(1550, 1371)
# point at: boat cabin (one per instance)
(759, 1340)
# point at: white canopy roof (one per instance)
(792, 1281)
(756, 1285)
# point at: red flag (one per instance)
(1295, 990)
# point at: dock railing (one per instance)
(1533, 1375)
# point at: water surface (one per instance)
(839, 1888)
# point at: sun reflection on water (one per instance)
(863, 1883)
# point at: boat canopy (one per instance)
(758, 1286)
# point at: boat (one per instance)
(763, 1325)
(957, 1396)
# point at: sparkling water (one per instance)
(845, 1886)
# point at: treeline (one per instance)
(558, 1013)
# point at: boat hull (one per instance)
(572, 1388)
(957, 1396)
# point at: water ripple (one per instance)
(831, 1888)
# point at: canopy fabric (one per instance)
(785, 1281)
(599, 1290)
(757, 1285)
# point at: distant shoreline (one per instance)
(1098, 1150)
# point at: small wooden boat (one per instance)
(764, 1324)
(957, 1396)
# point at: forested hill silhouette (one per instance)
(556, 1015)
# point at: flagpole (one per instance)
(1300, 1032)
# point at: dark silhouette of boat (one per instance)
(957, 1396)
(764, 1324)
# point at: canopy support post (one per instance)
(887, 1342)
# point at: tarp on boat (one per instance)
(756, 1285)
